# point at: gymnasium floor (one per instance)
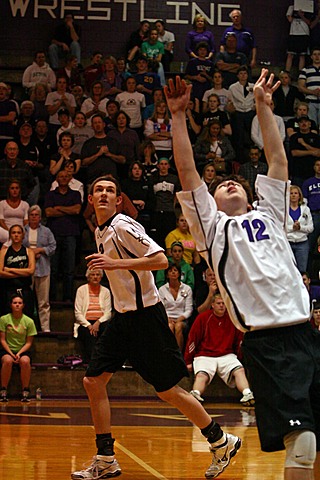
(47, 440)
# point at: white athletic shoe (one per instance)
(99, 469)
(222, 455)
(247, 399)
(196, 394)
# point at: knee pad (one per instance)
(300, 449)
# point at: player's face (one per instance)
(316, 317)
(104, 199)
(218, 306)
(231, 198)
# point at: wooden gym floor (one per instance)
(47, 440)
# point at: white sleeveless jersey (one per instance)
(252, 259)
(122, 237)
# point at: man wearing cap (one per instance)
(12, 167)
(304, 149)
(8, 115)
(229, 61)
(187, 275)
(245, 40)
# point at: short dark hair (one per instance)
(170, 267)
(202, 45)
(66, 134)
(121, 112)
(15, 295)
(237, 178)
(106, 178)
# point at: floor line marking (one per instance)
(140, 462)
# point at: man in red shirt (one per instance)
(212, 347)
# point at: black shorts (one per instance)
(4, 352)
(284, 373)
(145, 339)
(298, 44)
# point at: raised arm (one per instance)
(273, 146)
(178, 95)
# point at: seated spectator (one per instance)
(64, 154)
(111, 80)
(148, 158)
(70, 72)
(65, 121)
(39, 72)
(135, 41)
(158, 130)
(79, 96)
(65, 40)
(230, 60)
(16, 337)
(11, 167)
(178, 303)
(81, 132)
(140, 191)
(96, 103)
(29, 154)
(132, 103)
(168, 39)
(8, 115)
(57, 100)
(199, 71)
(292, 125)
(122, 69)
(206, 291)
(62, 207)
(176, 258)
(146, 80)
(92, 308)
(223, 94)
(152, 49)
(74, 184)
(17, 265)
(299, 225)
(38, 97)
(256, 134)
(313, 290)
(197, 35)
(157, 95)
(183, 235)
(214, 113)
(42, 242)
(286, 96)
(209, 174)
(315, 319)
(113, 109)
(213, 346)
(26, 114)
(13, 210)
(213, 146)
(251, 169)
(128, 141)
(47, 146)
(93, 71)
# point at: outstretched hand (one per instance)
(263, 88)
(177, 94)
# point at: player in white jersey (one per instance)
(260, 284)
(138, 332)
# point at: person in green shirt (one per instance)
(16, 337)
(187, 275)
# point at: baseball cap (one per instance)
(303, 117)
(25, 124)
(63, 111)
(164, 158)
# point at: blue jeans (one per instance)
(301, 253)
(63, 261)
(55, 51)
(314, 112)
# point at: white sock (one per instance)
(246, 391)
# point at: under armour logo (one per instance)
(294, 422)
